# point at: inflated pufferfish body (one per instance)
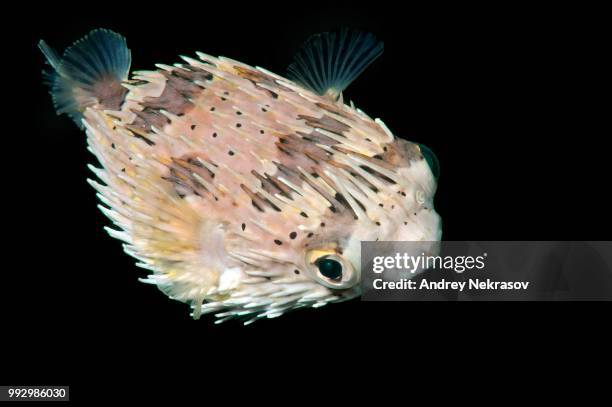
(245, 193)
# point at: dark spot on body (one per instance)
(261, 132)
(322, 224)
(212, 109)
(296, 271)
(113, 145)
(278, 242)
(239, 113)
(193, 126)
(303, 214)
(293, 235)
(243, 227)
(325, 122)
(238, 125)
(214, 135)
(230, 152)
(263, 109)
(377, 223)
(310, 234)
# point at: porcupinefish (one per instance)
(245, 193)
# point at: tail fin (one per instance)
(89, 72)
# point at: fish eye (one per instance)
(431, 159)
(330, 268)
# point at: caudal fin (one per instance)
(89, 72)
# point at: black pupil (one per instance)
(330, 268)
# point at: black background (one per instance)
(509, 99)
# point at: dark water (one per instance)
(508, 101)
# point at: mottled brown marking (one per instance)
(401, 152)
(375, 173)
(272, 185)
(175, 98)
(181, 175)
(337, 164)
(334, 203)
(257, 77)
(292, 142)
(193, 73)
(258, 200)
(149, 117)
(325, 122)
(284, 150)
(110, 93)
(290, 174)
(334, 109)
(380, 161)
(317, 138)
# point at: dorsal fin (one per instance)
(328, 62)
